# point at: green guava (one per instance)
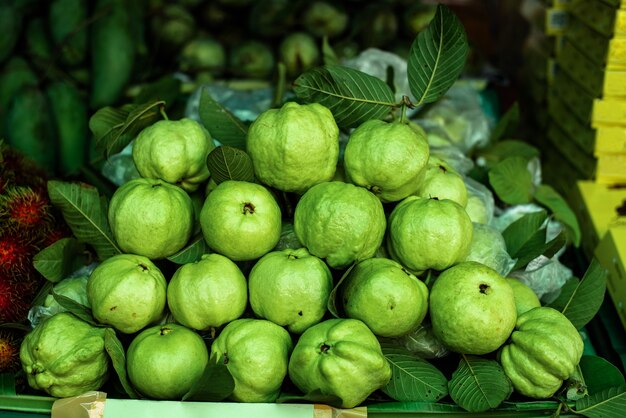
(294, 147)
(151, 217)
(544, 351)
(340, 222)
(174, 151)
(390, 300)
(203, 53)
(256, 352)
(173, 25)
(164, 361)
(472, 308)
(65, 356)
(525, 297)
(251, 59)
(339, 357)
(428, 234)
(128, 292)
(388, 159)
(207, 293)
(324, 18)
(300, 281)
(240, 220)
(299, 52)
(441, 181)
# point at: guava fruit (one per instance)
(472, 308)
(151, 217)
(440, 180)
(251, 59)
(388, 159)
(164, 361)
(545, 349)
(525, 297)
(339, 222)
(127, 291)
(256, 352)
(390, 300)
(428, 233)
(339, 357)
(207, 293)
(299, 52)
(300, 281)
(294, 147)
(174, 151)
(324, 18)
(240, 220)
(203, 53)
(173, 25)
(65, 356)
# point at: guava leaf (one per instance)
(75, 308)
(222, 124)
(329, 57)
(521, 231)
(115, 349)
(586, 297)
(165, 89)
(512, 181)
(508, 148)
(537, 246)
(196, 247)
(214, 385)
(59, 259)
(548, 197)
(412, 378)
(85, 213)
(351, 95)
(334, 306)
(114, 128)
(479, 384)
(7, 384)
(507, 124)
(600, 374)
(229, 163)
(437, 57)
(608, 403)
(315, 396)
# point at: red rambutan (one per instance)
(23, 209)
(15, 299)
(20, 169)
(9, 351)
(16, 254)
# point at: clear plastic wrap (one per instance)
(423, 343)
(489, 248)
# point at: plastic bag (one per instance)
(489, 248)
(480, 202)
(423, 343)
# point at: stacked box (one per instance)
(587, 100)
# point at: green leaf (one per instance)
(329, 57)
(214, 385)
(114, 128)
(196, 247)
(512, 181)
(334, 306)
(587, 297)
(221, 123)
(600, 374)
(166, 89)
(59, 259)
(437, 57)
(546, 196)
(537, 246)
(7, 384)
(351, 95)
(228, 163)
(479, 384)
(507, 125)
(508, 148)
(412, 378)
(116, 352)
(520, 232)
(75, 308)
(85, 213)
(609, 403)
